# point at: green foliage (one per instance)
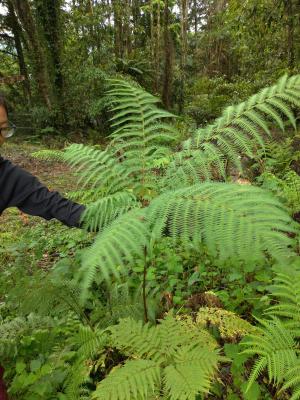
(224, 218)
(286, 188)
(276, 342)
(239, 131)
(221, 216)
(286, 290)
(167, 358)
(48, 155)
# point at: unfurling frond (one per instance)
(233, 221)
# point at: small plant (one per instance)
(276, 341)
(167, 360)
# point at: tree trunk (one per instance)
(167, 82)
(17, 32)
(50, 21)
(157, 49)
(24, 13)
(288, 4)
(183, 53)
(118, 29)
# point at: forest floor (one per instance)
(15, 226)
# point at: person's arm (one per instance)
(18, 188)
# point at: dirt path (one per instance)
(55, 175)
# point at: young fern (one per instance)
(276, 341)
(286, 290)
(169, 359)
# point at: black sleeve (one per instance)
(18, 188)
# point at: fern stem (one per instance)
(144, 286)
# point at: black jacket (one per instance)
(18, 188)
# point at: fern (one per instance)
(137, 142)
(97, 168)
(136, 380)
(115, 247)
(167, 359)
(276, 341)
(240, 130)
(226, 218)
(223, 217)
(286, 289)
(102, 212)
(276, 348)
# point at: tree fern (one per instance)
(223, 217)
(240, 130)
(136, 143)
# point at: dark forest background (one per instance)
(198, 56)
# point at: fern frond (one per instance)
(97, 168)
(286, 289)
(191, 374)
(102, 212)
(140, 135)
(292, 381)
(135, 338)
(136, 380)
(224, 217)
(124, 239)
(242, 129)
(275, 347)
(89, 341)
